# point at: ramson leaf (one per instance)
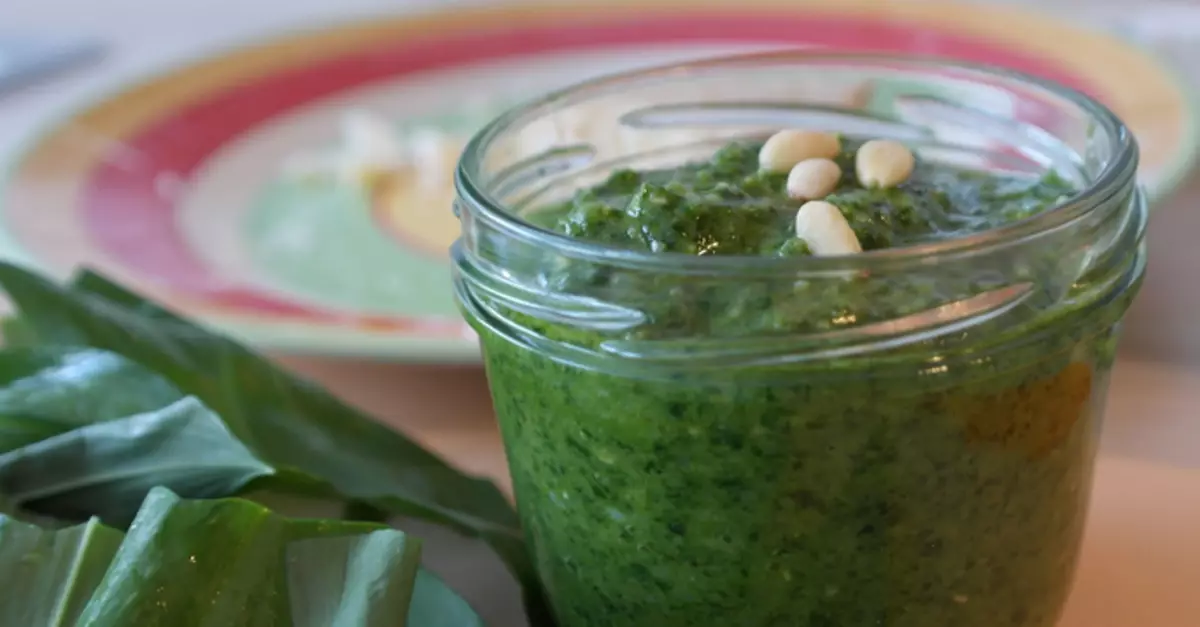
(106, 469)
(312, 443)
(233, 563)
(49, 390)
(49, 575)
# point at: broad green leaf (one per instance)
(88, 282)
(106, 469)
(303, 432)
(17, 430)
(48, 390)
(350, 581)
(436, 605)
(234, 563)
(219, 563)
(49, 575)
(15, 332)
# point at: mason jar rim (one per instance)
(1110, 182)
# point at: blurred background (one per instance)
(212, 153)
(118, 41)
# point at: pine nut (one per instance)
(813, 178)
(883, 163)
(783, 150)
(825, 229)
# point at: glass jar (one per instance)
(903, 437)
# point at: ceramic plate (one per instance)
(228, 188)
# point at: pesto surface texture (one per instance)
(727, 206)
(861, 494)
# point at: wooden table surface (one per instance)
(1141, 559)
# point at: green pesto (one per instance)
(855, 493)
(727, 206)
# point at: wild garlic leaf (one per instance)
(49, 390)
(315, 444)
(106, 469)
(219, 563)
(49, 575)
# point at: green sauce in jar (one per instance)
(897, 490)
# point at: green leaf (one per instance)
(16, 333)
(348, 581)
(435, 605)
(17, 430)
(219, 563)
(49, 575)
(106, 469)
(47, 390)
(291, 424)
(234, 563)
(88, 282)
